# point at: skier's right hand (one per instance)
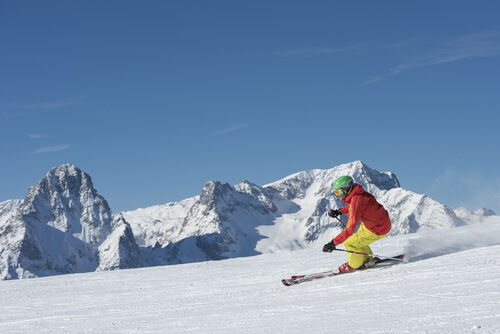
(334, 213)
(329, 247)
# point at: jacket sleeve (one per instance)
(344, 209)
(352, 222)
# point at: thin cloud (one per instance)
(314, 52)
(479, 45)
(55, 148)
(402, 44)
(36, 136)
(228, 130)
(47, 105)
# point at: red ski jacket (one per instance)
(362, 206)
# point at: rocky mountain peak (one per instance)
(364, 174)
(213, 192)
(65, 199)
(59, 228)
(485, 212)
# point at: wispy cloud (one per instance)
(36, 136)
(479, 45)
(314, 52)
(402, 44)
(47, 105)
(55, 148)
(228, 130)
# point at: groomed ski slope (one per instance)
(451, 286)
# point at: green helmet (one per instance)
(343, 182)
(343, 185)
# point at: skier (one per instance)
(361, 207)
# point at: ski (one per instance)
(390, 260)
(377, 262)
(309, 277)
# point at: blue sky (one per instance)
(154, 98)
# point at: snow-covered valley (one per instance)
(450, 285)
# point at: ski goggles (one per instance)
(338, 192)
(343, 191)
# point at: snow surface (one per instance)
(451, 285)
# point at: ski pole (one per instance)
(372, 255)
(340, 221)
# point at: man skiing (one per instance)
(361, 207)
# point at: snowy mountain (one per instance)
(58, 228)
(64, 226)
(119, 250)
(230, 221)
(219, 223)
(475, 217)
(449, 285)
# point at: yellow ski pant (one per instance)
(358, 242)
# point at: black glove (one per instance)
(334, 213)
(329, 247)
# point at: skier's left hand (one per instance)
(334, 213)
(329, 247)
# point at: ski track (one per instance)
(454, 292)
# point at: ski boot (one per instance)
(346, 268)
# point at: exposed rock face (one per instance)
(8, 208)
(57, 229)
(119, 250)
(222, 222)
(65, 199)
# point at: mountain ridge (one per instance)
(64, 226)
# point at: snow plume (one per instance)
(441, 242)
